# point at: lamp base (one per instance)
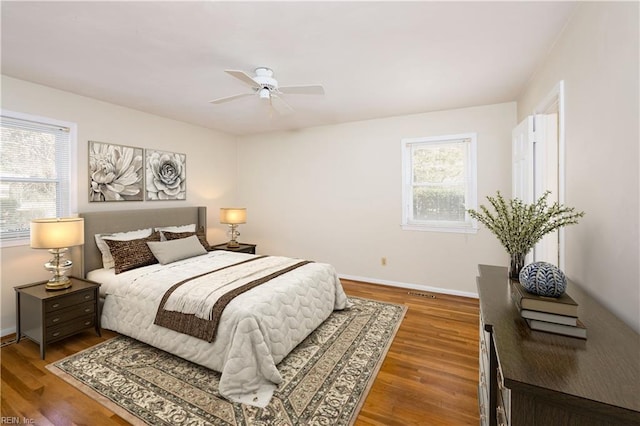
(233, 231)
(58, 283)
(58, 266)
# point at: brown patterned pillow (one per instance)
(200, 233)
(132, 254)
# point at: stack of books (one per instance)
(552, 314)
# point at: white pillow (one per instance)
(174, 250)
(107, 259)
(179, 228)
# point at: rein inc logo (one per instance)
(16, 421)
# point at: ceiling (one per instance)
(374, 59)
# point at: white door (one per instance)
(522, 161)
(546, 179)
(534, 171)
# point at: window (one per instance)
(439, 183)
(37, 166)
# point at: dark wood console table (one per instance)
(536, 378)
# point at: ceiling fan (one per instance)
(266, 87)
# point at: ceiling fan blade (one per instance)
(280, 105)
(312, 89)
(230, 98)
(243, 76)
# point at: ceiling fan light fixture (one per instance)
(264, 93)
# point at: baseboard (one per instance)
(410, 286)
(7, 331)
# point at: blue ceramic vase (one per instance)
(543, 279)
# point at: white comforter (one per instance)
(256, 331)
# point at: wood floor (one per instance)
(429, 377)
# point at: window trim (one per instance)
(73, 164)
(469, 226)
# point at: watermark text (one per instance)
(14, 420)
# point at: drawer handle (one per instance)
(55, 305)
(502, 416)
(87, 296)
(500, 379)
(501, 385)
(56, 334)
(87, 309)
(87, 323)
(55, 320)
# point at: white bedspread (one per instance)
(257, 329)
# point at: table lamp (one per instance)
(57, 235)
(233, 217)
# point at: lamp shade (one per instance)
(57, 232)
(233, 216)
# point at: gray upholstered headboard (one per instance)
(130, 220)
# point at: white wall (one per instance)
(333, 194)
(597, 57)
(211, 167)
(330, 193)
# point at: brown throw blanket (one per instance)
(206, 329)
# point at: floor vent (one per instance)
(417, 293)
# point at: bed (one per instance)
(256, 330)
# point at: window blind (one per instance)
(34, 174)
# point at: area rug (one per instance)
(326, 377)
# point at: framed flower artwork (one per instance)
(115, 172)
(166, 175)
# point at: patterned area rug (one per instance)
(326, 377)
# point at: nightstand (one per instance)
(46, 316)
(244, 248)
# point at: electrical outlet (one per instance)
(383, 261)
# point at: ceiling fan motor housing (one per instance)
(264, 77)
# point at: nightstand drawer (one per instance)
(46, 316)
(70, 300)
(60, 316)
(242, 248)
(69, 328)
